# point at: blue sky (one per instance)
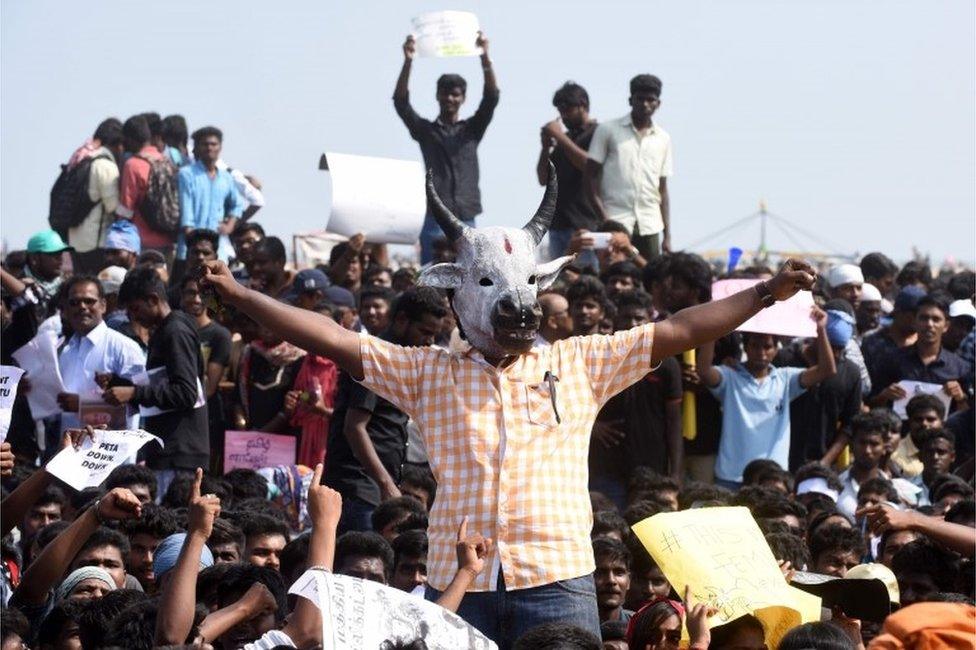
(854, 119)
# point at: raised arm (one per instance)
(176, 604)
(956, 537)
(708, 374)
(401, 92)
(826, 366)
(306, 329)
(692, 327)
(11, 284)
(574, 153)
(491, 82)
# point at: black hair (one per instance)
(174, 130)
(646, 624)
(226, 532)
(365, 544)
(209, 581)
(696, 491)
(610, 226)
(962, 285)
(55, 620)
(156, 521)
(894, 422)
(938, 433)
(243, 227)
(105, 536)
(820, 635)
(128, 475)
(416, 302)
(613, 631)
(376, 269)
(693, 271)
(178, 493)
(394, 509)
(839, 304)
(638, 299)
(247, 484)
(961, 511)
(207, 132)
(752, 471)
(624, 267)
(412, 543)
(641, 510)
(220, 487)
(109, 132)
(13, 621)
(938, 300)
(557, 636)
(641, 560)
(880, 486)
(585, 287)
(52, 494)
(877, 265)
(923, 556)
(609, 521)
(140, 283)
(570, 95)
(836, 538)
(612, 549)
(868, 424)
(789, 547)
(258, 523)
(422, 478)
(240, 577)
(403, 644)
(646, 83)
(645, 479)
(656, 270)
(925, 402)
(273, 248)
(135, 626)
(816, 469)
(75, 280)
(414, 521)
(136, 129)
(244, 507)
(94, 620)
(914, 272)
(722, 635)
(945, 484)
(816, 522)
(448, 82)
(211, 236)
(383, 293)
(154, 122)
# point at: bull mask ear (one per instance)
(442, 276)
(547, 273)
(539, 224)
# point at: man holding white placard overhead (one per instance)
(449, 144)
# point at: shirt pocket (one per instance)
(540, 405)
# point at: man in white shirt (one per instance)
(627, 169)
(92, 348)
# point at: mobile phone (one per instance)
(600, 239)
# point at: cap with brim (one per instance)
(962, 308)
(866, 599)
(908, 298)
(47, 241)
(844, 274)
(817, 485)
(870, 293)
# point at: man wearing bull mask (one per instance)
(506, 424)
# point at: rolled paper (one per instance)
(689, 421)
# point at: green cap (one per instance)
(47, 241)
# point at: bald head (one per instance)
(556, 321)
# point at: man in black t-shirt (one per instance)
(568, 153)
(368, 435)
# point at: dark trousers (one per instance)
(649, 246)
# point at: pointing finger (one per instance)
(317, 475)
(197, 480)
(463, 529)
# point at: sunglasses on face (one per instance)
(87, 302)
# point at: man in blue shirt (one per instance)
(208, 195)
(756, 398)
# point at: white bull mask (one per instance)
(495, 279)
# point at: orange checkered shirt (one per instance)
(499, 453)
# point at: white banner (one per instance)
(446, 33)
(96, 457)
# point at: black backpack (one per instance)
(70, 203)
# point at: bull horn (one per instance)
(452, 226)
(539, 224)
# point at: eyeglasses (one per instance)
(87, 302)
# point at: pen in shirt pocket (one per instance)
(551, 380)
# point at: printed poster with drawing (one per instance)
(722, 555)
(95, 458)
(158, 376)
(913, 388)
(359, 613)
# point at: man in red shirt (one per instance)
(135, 180)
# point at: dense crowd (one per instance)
(843, 469)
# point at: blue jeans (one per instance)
(612, 488)
(503, 616)
(356, 515)
(428, 234)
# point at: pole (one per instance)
(689, 422)
(763, 253)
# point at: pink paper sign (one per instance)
(788, 318)
(256, 449)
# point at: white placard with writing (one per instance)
(914, 388)
(359, 613)
(446, 33)
(381, 197)
(97, 456)
(39, 359)
(9, 378)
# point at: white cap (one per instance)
(818, 485)
(962, 308)
(870, 293)
(844, 274)
(111, 278)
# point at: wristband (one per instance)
(98, 515)
(765, 295)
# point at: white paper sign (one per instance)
(446, 33)
(381, 197)
(97, 456)
(359, 613)
(914, 388)
(787, 318)
(157, 376)
(9, 378)
(39, 359)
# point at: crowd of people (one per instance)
(821, 439)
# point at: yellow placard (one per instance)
(722, 555)
(689, 411)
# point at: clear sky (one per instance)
(852, 118)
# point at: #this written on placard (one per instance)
(256, 449)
